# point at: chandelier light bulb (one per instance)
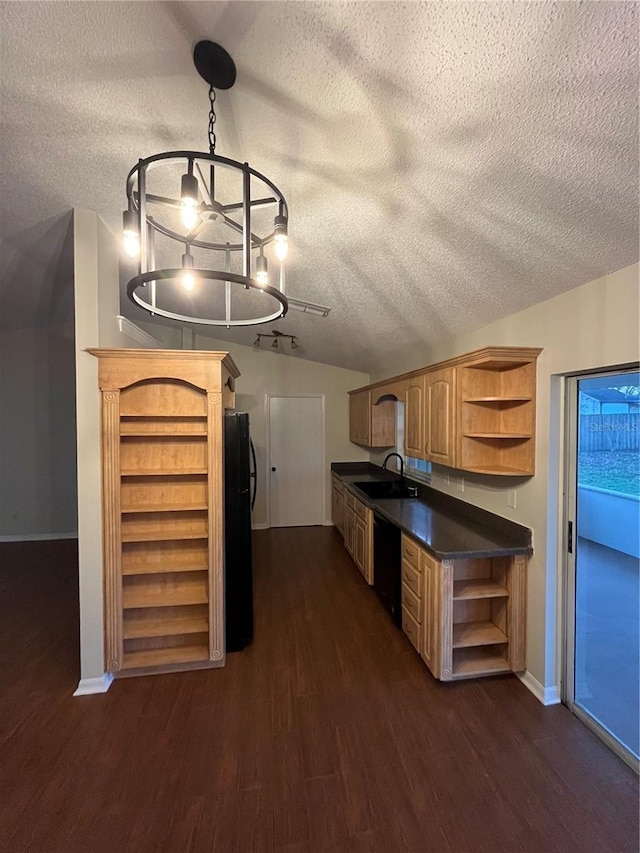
(130, 238)
(187, 278)
(281, 237)
(189, 214)
(262, 272)
(189, 198)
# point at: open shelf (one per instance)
(161, 472)
(161, 536)
(181, 507)
(483, 660)
(478, 588)
(162, 526)
(153, 557)
(498, 470)
(502, 435)
(500, 399)
(162, 425)
(165, 621)
(141, 658)
(167, 589)
(477, 634)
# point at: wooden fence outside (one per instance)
(608, 432)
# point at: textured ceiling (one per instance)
(445, 164)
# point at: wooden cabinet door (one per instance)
(430, 651)
(414, 418)
(359, 417)
(337, 508)
(439, 416)
(360, 544)
(349, 529)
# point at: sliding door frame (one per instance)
(568, 615)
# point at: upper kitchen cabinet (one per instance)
(414, 418)
(371, 424)
(475, 412)
(439, 416)
(497, 412)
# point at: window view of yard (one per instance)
(607, 637)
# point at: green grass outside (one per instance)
(615, 470)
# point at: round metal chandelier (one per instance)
(209, 232)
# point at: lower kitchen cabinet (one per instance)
(358, 534)
(338, 509)
(466, 617)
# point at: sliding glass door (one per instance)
(601, 682)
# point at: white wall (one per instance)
(97, 306)
(263, 373)
(37, 434)
(592, 326)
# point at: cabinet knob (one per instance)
(273, 469)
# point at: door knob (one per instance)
(273, 469)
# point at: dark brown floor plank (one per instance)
(327, 735)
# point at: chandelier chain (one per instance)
(212, 120)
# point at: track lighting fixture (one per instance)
(276, 336)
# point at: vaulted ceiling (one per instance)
(445, 163)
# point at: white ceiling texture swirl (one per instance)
(445, 163)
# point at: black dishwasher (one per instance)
(387, 565)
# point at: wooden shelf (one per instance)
(500, 435)
(497, 399)
(148, 434)
(169, 568)
(182, 507)
(478, 588)
(164, 590)
(486, 660)
(161, 536)
(498, 470)
(151, 623)
(161, 472)
(477, 634)
(162, 657)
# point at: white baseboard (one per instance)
(327, 523)
(87, 686)
(546, 695)
(37, 537)
(261, 525)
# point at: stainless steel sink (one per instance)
(386, 489)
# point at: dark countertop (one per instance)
(447, 527)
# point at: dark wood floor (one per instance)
(328, 735)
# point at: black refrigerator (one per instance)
(238, 502)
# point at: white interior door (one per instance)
(296, 461)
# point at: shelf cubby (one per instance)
(162, 526)
(480, 660)
(165, 589)
(141, 653)
(166, 493)
(134, 425)
(154, 557)
(165, 621)
(163, 454)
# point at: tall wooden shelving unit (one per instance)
(162, 457)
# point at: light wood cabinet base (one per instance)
(469, 619)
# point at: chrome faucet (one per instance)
(384, 466)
